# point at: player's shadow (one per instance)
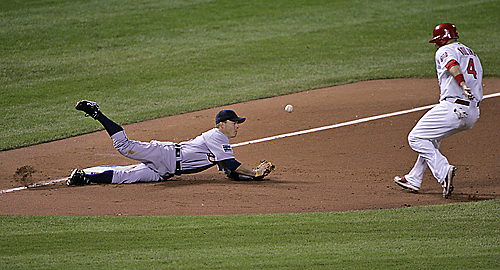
(464, 197)
(215, 180)
(456, 196)
(467, 197)
(182, 181)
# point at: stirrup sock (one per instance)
(104, 177)
(110, 126)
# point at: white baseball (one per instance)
(288, 108)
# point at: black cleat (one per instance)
(89, 107)
(77, 177)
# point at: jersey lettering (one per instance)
(471, 68)
(443, 56)
(227, 148)
(466, 51)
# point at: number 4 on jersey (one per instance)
(471, 69)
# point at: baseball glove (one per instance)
(264, 169)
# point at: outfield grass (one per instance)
(149, 59)
(459, 236)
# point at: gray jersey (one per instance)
(160, 160)
(206, 149)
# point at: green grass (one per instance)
(458, 236)
(147, 59)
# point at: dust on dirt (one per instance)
(26, 175)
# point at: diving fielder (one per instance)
(162, 160)
(460, 76)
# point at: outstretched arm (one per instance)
(259, 172)
(231, 165)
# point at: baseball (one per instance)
(288, 108)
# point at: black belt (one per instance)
(178, 169)
(462, 102)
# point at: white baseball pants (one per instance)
(442, 121)
(158, 158)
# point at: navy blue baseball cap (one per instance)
(230, 115)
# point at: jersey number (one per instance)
(471, 69)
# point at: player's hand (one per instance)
(264, 169)
(467, 91)
(261, 169)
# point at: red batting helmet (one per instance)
(442, 33)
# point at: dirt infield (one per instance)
(339, 169)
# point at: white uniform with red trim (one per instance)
(470, 66)
(453, 114)
(161, 160)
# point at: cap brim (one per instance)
(238, 120)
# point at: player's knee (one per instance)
(122, 144)
(125, 148)
(414, 142)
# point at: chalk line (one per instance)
(353, 122)
(45, 183)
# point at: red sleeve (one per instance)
(451, 64)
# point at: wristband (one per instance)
(256, 174)
(459, 78)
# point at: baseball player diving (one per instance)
(460, 76)
(162, 160)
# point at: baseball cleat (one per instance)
(89, 107)
(77, 177)
(448, 182)
(403, 183)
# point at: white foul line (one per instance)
(34, 185)
(353, 122)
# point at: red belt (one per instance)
(462, 102)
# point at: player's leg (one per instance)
(430, 155)
(141, 173)
(158, 156)
(80, 178)
(424, 138)
(416, 174)
(438, 123)
(149, 153)
(133, 149)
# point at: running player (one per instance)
(460, 76)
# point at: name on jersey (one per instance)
(466, 51)
(227, 148)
